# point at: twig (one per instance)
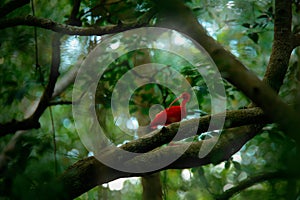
(67, 29)
(55, 103)
(255, 180)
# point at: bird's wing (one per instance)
(159, 119)
(174, 114)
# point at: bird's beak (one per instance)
(180, 97)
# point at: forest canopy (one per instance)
(82, 83)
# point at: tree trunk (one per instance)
(152, 188)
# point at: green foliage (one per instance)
(30, 174)
(113, 12)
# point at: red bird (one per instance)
(171, 114)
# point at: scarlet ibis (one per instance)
(172, 113)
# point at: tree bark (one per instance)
(152, 188)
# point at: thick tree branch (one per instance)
(89, 172)
(86, 174)
(67, 29)
(282, 45)
(194, 126)
(229, 142)
(11, 6)
(255, 180)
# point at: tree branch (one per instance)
(54, 73)
(33, 120)
(190, 127)
(229, 142)
(282, 45)
(11, 6)
(67, 29)
(255, 180)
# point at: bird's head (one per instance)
(185, 96)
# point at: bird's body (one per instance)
(172, 113)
